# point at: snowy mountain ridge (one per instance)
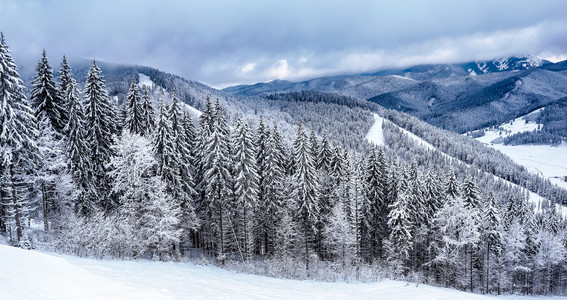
(444, 95)
(505, 64)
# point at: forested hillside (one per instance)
(283, 185)
(456, 97)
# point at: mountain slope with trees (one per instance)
(284, 185)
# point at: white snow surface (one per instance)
(501, 64)
(144, 80)
(28, 274)
(376, 135)
(195, 113)
(402, 77)
(518, 125)
(545, 160)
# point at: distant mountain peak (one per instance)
(515, 63)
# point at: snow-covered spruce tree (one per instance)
(182, 149)
(161, 219)
(433, 194)
(121, 116)
(101, 126)
(281, 151)
(491, 237)
(245, 185)
(471, 197)
(324, 154)
(77, 152)
(270, 209)
(189, 220)
(191, 138)
(550, 255)
(326, 192)
(56, 184)
(147, 112)
(138, 188)
(418, 219)
(375, 181)
(19, 155)
(262, 224)
(46, 98)
(434, 200)
(338, 164)
(514, 261)
(458, 229)
(399, 244)
(358, 207)
(217, 179)
(314, 145)
(340, 236)
(510, 212)
(452, 189)
(204, 238)
(165, 151)
(393, 182)
(307, 189)
(135, 121)
(65, 79)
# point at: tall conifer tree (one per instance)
(100, 124)
(19, 155)
(46, 98)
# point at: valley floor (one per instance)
(27, 274)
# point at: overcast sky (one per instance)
(222, 43)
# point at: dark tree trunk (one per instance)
(17, 206)
(45, 207)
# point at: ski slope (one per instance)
(145, 81)
(27, 274)
(376, 135)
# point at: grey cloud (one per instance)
(224, 42)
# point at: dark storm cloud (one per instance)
(225, 42)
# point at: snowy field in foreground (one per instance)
(29, 274)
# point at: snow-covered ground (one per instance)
(195, 113)
(34, 275)
(402, 77)
(144, 80)
(545, 160)
(510, 128)
(147, 82)
(375, 135)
